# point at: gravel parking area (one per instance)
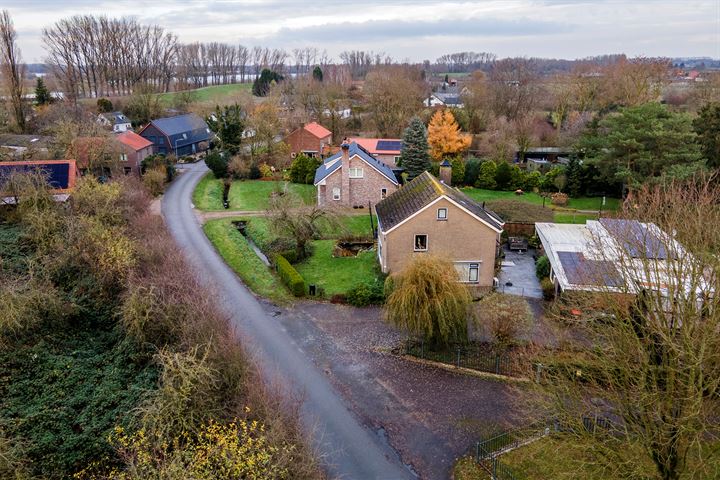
(430, 416)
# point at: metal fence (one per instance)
(465, 356)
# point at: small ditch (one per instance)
(351, 248)
(226, 192)
(241, 226)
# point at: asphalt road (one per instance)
(350, 450)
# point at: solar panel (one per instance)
(636, 238)
(581, 271)
(389, 145)
(58, 174)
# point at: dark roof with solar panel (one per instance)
(637, 239)
(582, 271)
(60, 174)
(330, 165)
(389, 145)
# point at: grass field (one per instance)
(581, 203)
(249, 195)
(254, 195)
(208, 194)
(236, 252)
(572, 217)
(214, 93)
(337, 275)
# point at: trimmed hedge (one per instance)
(366, 294)
(290, 277)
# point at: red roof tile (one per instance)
(134, 141)
(318, 130)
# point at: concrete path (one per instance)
(349, 448)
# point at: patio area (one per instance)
(517, 274)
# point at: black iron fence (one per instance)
(466, 356)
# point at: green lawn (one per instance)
(254, 195)
(236, 252)
(337, 275)
(209, 94)
(581, 203)
(572, 217)
(208, 194)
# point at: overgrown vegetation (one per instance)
(116, 361)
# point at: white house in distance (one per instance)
(613, 255)
(115, 120)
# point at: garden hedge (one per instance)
(290, 277)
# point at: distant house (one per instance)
(428, 217)
(543, 158)
(182, 135)
(444, 100)
(612, 255)
(135, 150)
(387, 150)
(60, 174)
(354, 178)
(16, 145)
(312, 140)
(115, 120)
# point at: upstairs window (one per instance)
(442, 214)
(421, 243)
(383, 193)
(356, 172)
(336, 193)
(123, 157)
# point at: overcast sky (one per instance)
(414, 30)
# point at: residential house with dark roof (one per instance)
(428, 217)
(19, 146)
(117, 121)
(354, 178)
(440, 99)
(60, 174)
(387, 150)
(182, 135)
(312, 139)
(135, 150)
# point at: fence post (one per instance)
(497, 364)
(477, 452)
(458, 356)
(422, 348)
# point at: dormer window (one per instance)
(442, 213)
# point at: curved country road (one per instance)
(350, 450)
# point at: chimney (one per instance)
(446, 172)
(345, 173)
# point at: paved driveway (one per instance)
(519, 270)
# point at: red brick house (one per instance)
(135, 150)
(354, 178)
(312, 139)
(61, 176)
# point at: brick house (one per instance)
(387, 150)
(61, 176)
(353, 178)
(428, 217)
(135, 150)
(312, 139)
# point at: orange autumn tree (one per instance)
(445, 137)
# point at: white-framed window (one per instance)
(421, 243)
(123, 157)
(383, 193)
(397, 159)
(474, 273)
(442, 213)
(356, 172)
(336, 193)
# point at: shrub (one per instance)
(290, 276)
(542, 267)
(154, 180)
(303, 169)
(486, 175)
(254, 173)
(548, 288)
(505, 318)
(217, 162)
(472, 170)
(559, 199)
(366, 294)
(104, 105)
(458, 170)
(266, 171)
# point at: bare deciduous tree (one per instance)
(12, 69)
